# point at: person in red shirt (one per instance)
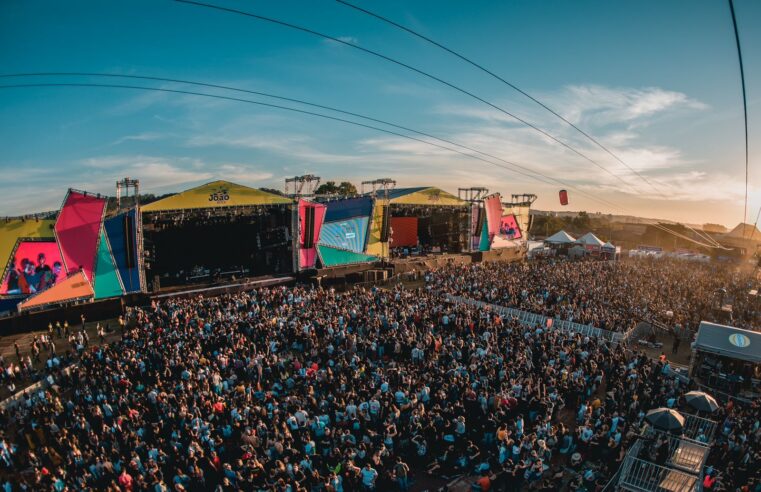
(125, 480)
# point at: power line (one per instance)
(409, 67)
(321, 106)
(501, 79)
(286, 108)
(745, 104)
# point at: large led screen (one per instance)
(36, 266)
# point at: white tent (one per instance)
(590, 239)
(560, 237)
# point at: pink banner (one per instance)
(308, 255)
(77, 229)
(493, 206)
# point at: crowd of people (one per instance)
(309, 389)
(609, 295)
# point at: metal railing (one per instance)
(641, 476)
(695, 426)
(534, 319)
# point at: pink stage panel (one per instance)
(77, 229)
(308, 256)
(493, 206)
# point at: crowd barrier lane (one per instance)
(534, 319)
(33, 391)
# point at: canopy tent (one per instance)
(729, 341)
(74, 288)
(560, 237)
(330, 256)
(424, 195)
(216, 194)
(14, 229)
(590, 239)
(608, 246)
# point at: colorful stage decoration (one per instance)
(377, 244)
(75, 288)
(106, 282)
(311, 218)
(122, 235)
(78, 230)
(331, 257)
(345, 229)
(509, 232)
(347, 234)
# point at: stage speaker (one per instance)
(129, 240)
(386, 224)
(480, 221)
(309, 225)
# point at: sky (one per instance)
(655, 82)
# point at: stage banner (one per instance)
(36, 266)
(121, 232)
(348, 234)
(493, 206)
(308, 256)
(77, 229)
(403, 232)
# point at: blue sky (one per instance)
(657, 82)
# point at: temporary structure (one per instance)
(560, 237)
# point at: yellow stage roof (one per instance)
(215, 195)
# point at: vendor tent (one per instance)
(590, 239)
(729, 341)
(609, 247)
(560, 237)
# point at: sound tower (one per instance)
(480, 221)
(309, 225)
(386, 224)
(129, 235)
